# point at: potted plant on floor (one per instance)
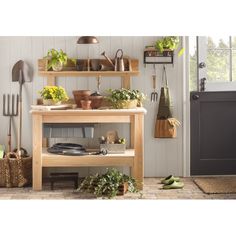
(110, 184)
(125, 98)
(167, 45)
(53, 95)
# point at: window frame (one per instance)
(230, 49)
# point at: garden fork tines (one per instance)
(10, 112)
(10, 100)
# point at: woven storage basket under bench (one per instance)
(15, 171)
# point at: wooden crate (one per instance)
(115, 148)
(82, 65)
(43, 64)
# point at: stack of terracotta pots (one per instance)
(85, 100)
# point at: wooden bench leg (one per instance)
(138, 170)
(37, 152)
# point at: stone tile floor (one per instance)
(152, 190)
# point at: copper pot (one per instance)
(96, 101)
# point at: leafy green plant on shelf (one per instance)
(167, 43)
(108, 184)
(125, 98)
(57, 59)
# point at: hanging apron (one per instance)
(165, 126)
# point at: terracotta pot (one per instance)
(86, 104)
(81, 95)
(96, 101)
(50, 102)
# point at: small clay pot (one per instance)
(81, 95)
(86, 104)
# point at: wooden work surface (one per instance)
(91, 112)
(133, 157)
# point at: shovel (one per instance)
(20, 73)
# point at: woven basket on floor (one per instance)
(15, 171)
(3, 172)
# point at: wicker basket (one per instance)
(15, 171)
(125, 104)
(3, 172)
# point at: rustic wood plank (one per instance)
(87, 73)
(52, 160)
(138, 170)
(125, 83)
(37, 152)
(85, 119)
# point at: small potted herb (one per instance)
(110, 184)
(125, 98)
(53, 95)
(167, 45)
(57, 59)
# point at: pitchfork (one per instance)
(154, 94)
(10, 112)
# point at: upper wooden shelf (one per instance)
(79, 70)
(87, 73)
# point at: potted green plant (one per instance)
(110, 184)
(167, 45)
(141, 97)
(124, 98)
(53, 95)
(56, 59)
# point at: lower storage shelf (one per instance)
(53, 160)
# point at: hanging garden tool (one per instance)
(20, 73)
(10, 101)
(154, 94)
(165, 123)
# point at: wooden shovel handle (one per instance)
(9, 142)
(154, 81)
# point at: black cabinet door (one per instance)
(213, 133)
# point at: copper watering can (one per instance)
(119, 61)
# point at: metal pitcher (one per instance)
(119, 61)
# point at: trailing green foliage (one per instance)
(108, 184)
(54, 57)
(169, 42)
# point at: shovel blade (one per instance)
(21, 72)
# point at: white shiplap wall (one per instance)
(162, 156)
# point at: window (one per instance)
(219, 59)
(193, 63)
(219, 55)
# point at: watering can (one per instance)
(119, 61)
